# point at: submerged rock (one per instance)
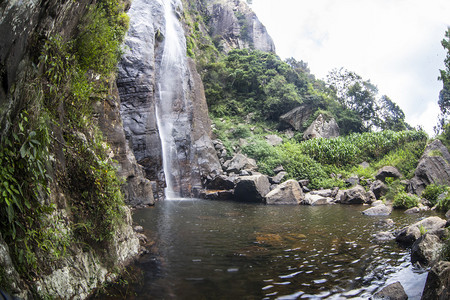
(288, 192)
(384, 236)
(394, 291)
(252, 188)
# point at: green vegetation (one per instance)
(55, 111)
(405, 200)
(317, 159)
(432, 192)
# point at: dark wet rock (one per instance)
(217, 194)
(394, 291)
(384, 236)
(388, 171)
(355, 195)
(437, 285)
(433, 167)
(379, 210)
(278, 178)
(315, 199)
(252, 188)
(409, 234)
(303, 183)
(379, 188)
(222, 182)
(426, 249)
(322, 127)
(273, 139)
(447, 214)
(289, 192)
(240, 162)
(296, 117)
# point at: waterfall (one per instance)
(171, 112)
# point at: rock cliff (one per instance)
(233, 25)
(140, 88)
(62, 249)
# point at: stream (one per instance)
(224, 250)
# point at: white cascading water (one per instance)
(172, 100)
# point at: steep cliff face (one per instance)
(64, 226)
(143, 87)
(233, 25)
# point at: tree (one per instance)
(444, 95)
(390, 115)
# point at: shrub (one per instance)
(444, 203)
(405, 200)
(432, 192)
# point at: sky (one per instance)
(394, 43)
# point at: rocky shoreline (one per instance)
(242, 182)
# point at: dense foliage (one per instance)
(55, 113)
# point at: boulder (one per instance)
(393, 291)
(278, 169)
(351, 181)
(433, 167)
(437, 285)
(252, 188)
(409, 234)
(240, 162)
(288, 192)
(379, 210)
(296, 117)
(378, 202)
(355, 195)
(273, 140)
(325, 193)
(278, 178)
(322, 127)
(379, 188)
(426, 249)
(222, 182)
(413, 210)
(388, 171)
(314, 199)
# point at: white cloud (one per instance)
(394, 43)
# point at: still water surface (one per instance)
(229, 250)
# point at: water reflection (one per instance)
(222, 250)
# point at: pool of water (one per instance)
(224, 250)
